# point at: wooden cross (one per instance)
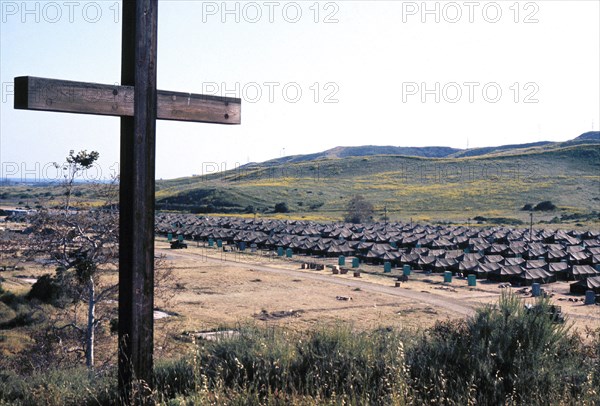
(139, 104)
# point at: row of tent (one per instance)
(496, 253)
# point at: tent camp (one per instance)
(582, 286)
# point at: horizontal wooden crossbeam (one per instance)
(33, 93)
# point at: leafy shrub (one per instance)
(323, 364)
(46, 289)
(23, 317)
(315, 206)
(358, 210)
(58, 387)
(8, 298)
(545, 206)
(281, 208)
(175, 378)
(503, 354)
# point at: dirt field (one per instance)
(220, 289)
(211, 289)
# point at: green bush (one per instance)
(546, 205)
(58, 387)
(504, 354)
(281, 208)
(9, 298)
(46, 289)
(175, 378)
(337, 363)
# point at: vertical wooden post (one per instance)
(136, 234)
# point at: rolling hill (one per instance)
(429, 183)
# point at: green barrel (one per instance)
(279, 251)
(448, 277)
(219, 243)
(169, 237)
(211, 242)
(406, 270)
(472, 280)
(387, 267)
(355, 262)
(341, 260)
(288, 253)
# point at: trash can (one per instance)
(355, 262)
(406, 270)
(448, 277)
(387, 267)
(341, 260)
(472, 280)
(536, 289)
(590, 297)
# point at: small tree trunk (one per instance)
(91, 325)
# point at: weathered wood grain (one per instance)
(34, 93)
(136, 203)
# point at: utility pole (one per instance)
(530, 226)
(385, 214)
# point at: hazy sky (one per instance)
(312, 76)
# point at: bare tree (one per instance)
(83, 246)
(81, 242)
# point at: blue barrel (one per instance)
(536, 289)
(288, 253)
(387, 267)
(355, 262)
(448, 277)
(279, 251)
(211, 242)
(341, 260)
(590, 297)
(242, 245)
(472, 280)
(170, 237)
(406, 270)
(219, 243)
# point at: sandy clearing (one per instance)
(234, 287)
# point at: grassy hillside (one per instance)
(454, 188)
(494, 183)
